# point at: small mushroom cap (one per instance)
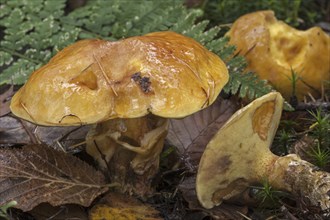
(238, 155)
(272, 48)
(163, 73)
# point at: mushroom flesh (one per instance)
(238, 156)
(274, 49)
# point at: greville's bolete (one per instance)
(238, 156)
(129, 88)
(273, 49)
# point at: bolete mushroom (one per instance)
(128, 88)
(238, 156)
(273, 49)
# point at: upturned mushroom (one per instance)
(238, 156)
(273, 49)
(127, 89)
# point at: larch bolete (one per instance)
(274, 49)
(238, 156)
(127, 89)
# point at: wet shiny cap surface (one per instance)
(163, 73)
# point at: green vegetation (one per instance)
(294, 79)
(320, 156)
(319, 131)
(284, 141)
(268, 196)
(314, 135)
(321, 127)
(4, 209)
(298, 13)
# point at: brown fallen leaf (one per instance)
(5, 101)
(191, 134)
(12, 132)
(122, 207)
(15, 131)
(37, 173)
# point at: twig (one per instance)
(32, 136)
(286, 212)
(103, 158)
(78, 144)
(313, 105)
(61, 146)
(244, 216)
(62, 208)
(68, 133)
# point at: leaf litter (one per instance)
(36, 173)
(189, 136)
(5, 100)
(14, 131)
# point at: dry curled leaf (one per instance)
(15, 131)
(37, 173)
(5, 101)
(123, 207)
(191, 134)
(12, 132)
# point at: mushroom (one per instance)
(273, 49)
(239, 156)
(127, 89)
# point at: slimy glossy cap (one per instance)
(163, 73)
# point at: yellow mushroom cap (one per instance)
(238, 155)
(163, 73)
(272, 48)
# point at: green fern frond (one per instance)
(33, 33)
(116, 19)
(245, 84)
(35, 30)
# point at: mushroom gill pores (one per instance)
(145, 79)
(273, 49)
(238, 156)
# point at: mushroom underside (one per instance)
(129, 150)
(238, 156)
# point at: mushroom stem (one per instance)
(302, 179)
(129, 149)
(148, 141)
